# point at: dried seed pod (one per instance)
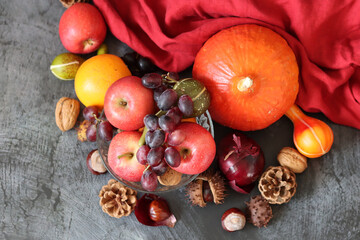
(195, 189)
(259, 211)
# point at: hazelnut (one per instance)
(66, 113)
(291, 158)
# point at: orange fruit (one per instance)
(96, 75)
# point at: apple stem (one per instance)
(123, 103)
(130, 155)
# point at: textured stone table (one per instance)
(48, 193)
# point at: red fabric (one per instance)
(325, 36)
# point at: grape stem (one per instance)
(147, 167)
(168, 79)
(97, 119)
(130, 155)
(142, 138)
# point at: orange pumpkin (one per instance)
(251, 74)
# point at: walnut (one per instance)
(66, 112)
(170, 177)
(258, 211)
(198, 194)
(291, 158)
(69, 3)
(277, 184)
(116, 199)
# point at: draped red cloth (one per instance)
(325, 36)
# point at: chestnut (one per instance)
(159, 210)
(94, 163)
(233, 220)
(152, 210)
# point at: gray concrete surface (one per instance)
(48, 193)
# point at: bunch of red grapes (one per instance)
(157, 153)
(92, 114)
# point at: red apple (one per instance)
(122, 156)
(82, 28)
(197, 150)
(127, 102)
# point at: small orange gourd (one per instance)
(251, 74)
(312, 137)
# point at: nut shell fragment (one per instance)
(66, 113)
(277, 184)
(116, 199)
(217, 187)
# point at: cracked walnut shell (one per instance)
(277, 184)
(116, 199)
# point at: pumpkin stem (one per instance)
(244, 84)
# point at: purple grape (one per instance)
(89, 112)
(155, 138)
(130, 59)
(172, 157)
(186, 105)
(160, 169)
(105, 130)
(145, 65)
(149, 180)
(151, 80)
(175, 138)
(167, 123)
(141, 154)
(176, 114)
(155, 156)
(158, 91)
(91, 133)
(173, 76)
(151, 122)
(167, 99)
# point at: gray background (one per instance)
(48, 193)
